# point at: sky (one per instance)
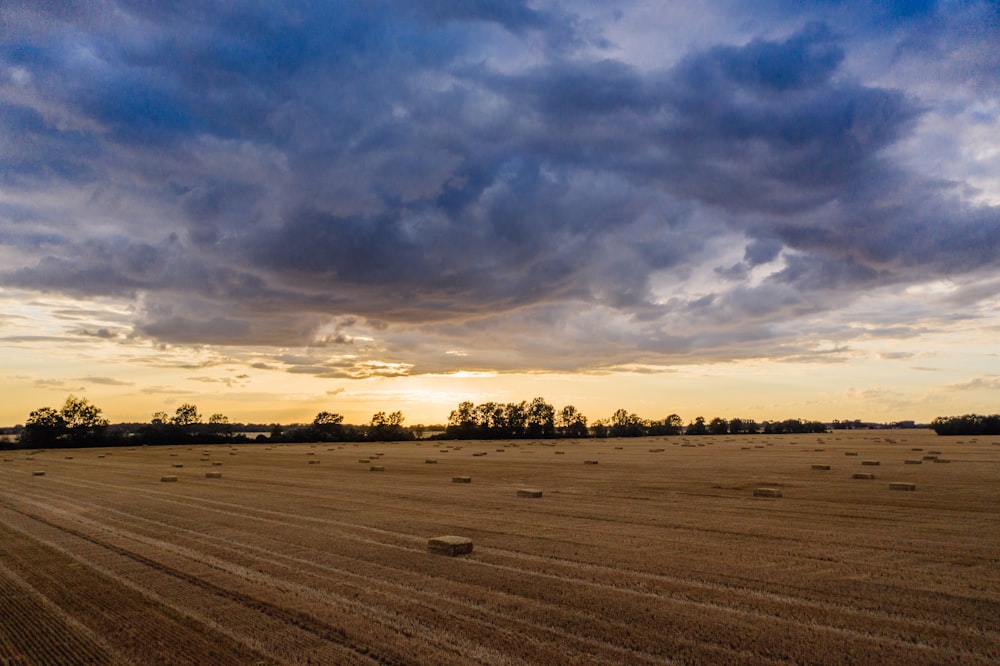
(766, 209)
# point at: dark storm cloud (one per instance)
(250, 173)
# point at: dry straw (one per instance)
(168, 479)
(449, 545)
(869, 462)
(313, 462)
(528, 492)
(767, 492)
(863, 475)
(912, 462)
(821, 467)
(901, 485)
(377, 468)
(589, 462)
(431, 461)
(177, 465)
(850, 453)
(461, 479)
(213, 475)
(217, 464)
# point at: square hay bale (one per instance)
(930, 457)
(364, 461)
(917, 448)
(912, 462)
(313, 462)
(217, 464)
(619, 448)
(941, 460)
(902, 485)
(213, 475)
(431, 461)
(177, 465)
(870, 462)
(68, 457)
(767, 492)
(168, 479)
(203, 459)
(863, 475)
(38, 472)
(529, 492)
(449, 545)
(589, 462)
(850, 453)
(934, 453)
(824, 468)
(377, 468)
(461, 479)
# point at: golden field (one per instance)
(660, 553)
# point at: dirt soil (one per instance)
(658, 554)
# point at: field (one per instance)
(660, 553)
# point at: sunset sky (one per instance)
(766, 209)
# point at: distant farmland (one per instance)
(657, 552)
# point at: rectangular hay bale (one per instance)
(863, 475)
(821, 467)
(529, 492)
(869, 462)
(461, 479)
(767, 492)
(902, 485)
(168, 479)
(449, 545)
(213, 475)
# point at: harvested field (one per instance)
(642, 560)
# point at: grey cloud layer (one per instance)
(490, 175)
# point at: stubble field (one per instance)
(658, 554)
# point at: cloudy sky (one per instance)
(764, 209)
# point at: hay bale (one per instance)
(213, 475)
(529, 492)
(824, 468)
(941, 460)
(461, 479)
(619, 448)
(68, 457)
(431, 461)
(935, 453)
(902, 485)
(499, 450)
(168, 479)
(589, 462)
(930, 457)
(377, 468)
(870, 462)
(38, 472)
(177, 465)
(912, 462)
(862, 475)
(850, 453)
(364, 461)
(767, 492)
(560, 453)
(313, 462)
(217, 464)
(449, 545)
(203, 459)
(916, 448)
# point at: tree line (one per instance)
(969, 424)
(80, 423)
(539, 419)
